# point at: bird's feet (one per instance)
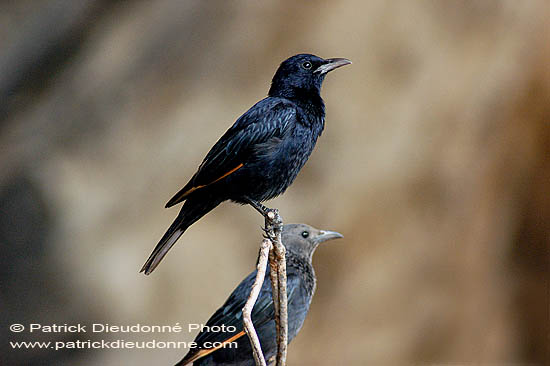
(259, 207)
(273, 225)
(273, 221)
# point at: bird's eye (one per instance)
(305, 234)
(307, 65)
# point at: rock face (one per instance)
(434, 164)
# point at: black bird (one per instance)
(261, 154)
(300, 241)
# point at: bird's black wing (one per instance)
(267, 119)
(230, 314)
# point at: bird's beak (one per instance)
(331, 64)
(325, 235)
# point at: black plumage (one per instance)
(300, 241)
(262, 153)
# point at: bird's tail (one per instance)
(189, 214)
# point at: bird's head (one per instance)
(303, 74)
(302, 239)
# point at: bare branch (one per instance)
(273, 247)
(278, 252)
(274, 286)
(265, 248)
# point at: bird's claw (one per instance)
(273, 224)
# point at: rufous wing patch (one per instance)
(206, 351)
(226, 174)
(183, 195)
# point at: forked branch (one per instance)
(273, 248)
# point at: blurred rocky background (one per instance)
(434, 164)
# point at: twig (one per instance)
(278, 253)
(272, 246)
(273, 276)
(265, 248)
(282, 335)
